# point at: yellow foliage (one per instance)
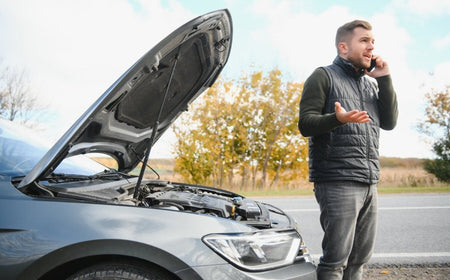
(246, 128)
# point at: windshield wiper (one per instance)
(62, 177)
(110, 174)
(105, 175)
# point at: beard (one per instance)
(358, 62)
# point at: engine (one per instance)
(180, 197)
(205, 200)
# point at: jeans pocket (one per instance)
(319, 193)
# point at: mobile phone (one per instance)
(373, 63)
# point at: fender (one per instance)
(111, 247)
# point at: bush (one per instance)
(440, 168)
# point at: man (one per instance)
(342, 111)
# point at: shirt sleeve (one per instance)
(312, 120)
(387, 103)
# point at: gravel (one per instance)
(406, 272)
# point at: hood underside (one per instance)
(141, 105)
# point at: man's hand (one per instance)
(353, 116)
(381, 69)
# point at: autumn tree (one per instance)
(437, 125)
(246, 128)
(203, 141)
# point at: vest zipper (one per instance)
(366, 130)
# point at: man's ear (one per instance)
(343, 48)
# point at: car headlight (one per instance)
(259, 250)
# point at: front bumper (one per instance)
(297, 271)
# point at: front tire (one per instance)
(111, 271)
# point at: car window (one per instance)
(81, 165)
(18, 157)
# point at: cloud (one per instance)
(74, 50)
(302, 40)
(305, 40)
(429, 7)
(442, 43)
(438, 80)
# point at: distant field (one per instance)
(397, 175)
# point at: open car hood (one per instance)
(141, 105)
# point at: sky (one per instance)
(72, 51)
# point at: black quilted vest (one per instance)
(349, 152)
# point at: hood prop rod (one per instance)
(155, 128)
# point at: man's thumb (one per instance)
(337, 107)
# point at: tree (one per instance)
(16, 100)
(202, 145)
(437, 125)
(246, 128)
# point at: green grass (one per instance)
(277, 192)
(418, 189)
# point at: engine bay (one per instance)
(162, 194)
(205, 200)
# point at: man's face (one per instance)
(359, 48)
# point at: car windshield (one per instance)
(21, 149)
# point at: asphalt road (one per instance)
(412, 228)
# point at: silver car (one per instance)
(65, 216)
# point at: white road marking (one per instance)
(411, 255)
(403, 255)
(415, 208)
(379, 209)
(301, 210)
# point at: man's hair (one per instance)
(345, 31)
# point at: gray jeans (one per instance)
(348, 216)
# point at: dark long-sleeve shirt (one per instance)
(313, 122)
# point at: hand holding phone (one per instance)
(373, 63)
(378, 67)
